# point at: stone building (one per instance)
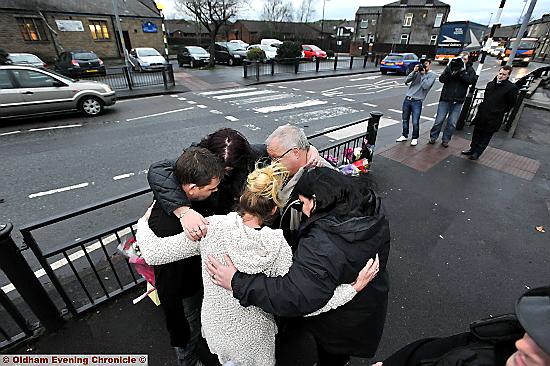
(48, 27)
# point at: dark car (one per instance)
(229, 53)
(79, 64)
(402, 63)
(193, 56)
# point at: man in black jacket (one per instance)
(179, 284)
(500, 96)
(456, 78)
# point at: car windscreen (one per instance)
(148, 52)
(24, 58)
(85, 56)
(235, 47)
(268, 48)
(315, 48)
(393, 58)
(197, 50)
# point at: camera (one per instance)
(420, 67)
(456, 64)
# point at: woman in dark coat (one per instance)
(345, 226)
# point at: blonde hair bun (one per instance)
(268, 181)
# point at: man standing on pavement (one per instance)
(421, 80)
(500, 96)
(456, 78)
(179, 284)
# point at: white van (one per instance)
(271, 42)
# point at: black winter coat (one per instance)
(455, 86)
(331, 251)
(498, 99)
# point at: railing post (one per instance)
(128, 77)
(245, 70)
(372, 129)
(335, 61)
(376, 60)
(20, 274)
(365, 59)
(164, 79)
(317, 63)
(257, 70)
(296, 65)
(515, 113)
(171, 73)
(351, 63)
(272, 67)
(468, 102)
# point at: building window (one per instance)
(404, 39)
(364, 24)
(32, 29)
(371, 38)
(373, 22)
(433, 39)
(438, 20)
(408, 20)
(99, 29)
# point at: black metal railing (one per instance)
(122, 78)
(257, 69)
(83, 273)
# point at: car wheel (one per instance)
(313, 59)
(231, 62)
(384, 72)
(192, 63)
(91, 106)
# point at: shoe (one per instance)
(473, 157)
(414, 142)
(445, 144)
(401, 139)
(431, 142)
(467, 152)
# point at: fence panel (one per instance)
(120, 78)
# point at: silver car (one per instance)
(27, 59)
(146, 58)
(26, 90)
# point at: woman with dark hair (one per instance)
(345, 226)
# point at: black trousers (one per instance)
(480, 141)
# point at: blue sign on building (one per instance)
(149, 27)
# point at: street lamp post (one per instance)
(160, 7)
(323, 26)
(120, 36)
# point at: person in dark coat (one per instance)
(500, 97)
(345, 226)
(456, 78)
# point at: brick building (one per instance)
(49, 27)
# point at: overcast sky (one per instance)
(474, 10)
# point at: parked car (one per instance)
(77, 64)
(27, 90)
(270, 52)
(497, 52)
(146, 59)
(311, 52)
(402, 63)
(239, 42)
(26, 59)
(193, 56)
(230, 53)
(271, 42)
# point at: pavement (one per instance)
(467, 239)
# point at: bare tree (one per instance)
(277, 10)
(306, 11)
(212, 14)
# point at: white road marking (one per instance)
(371, 105)
(54, 128)
(489, 68)
(53, 191)
(160, 114)
(266, 98)
(139, 99)
(348, 99)
(182, 98)
(174, 95)
(396, 111)
(76, 255)
(201, 106)
(285, 107)
(224, 91)
(281, 87)
(366, 78)
(231, 118)
(9, 133)
(191, 102)
(252, 127)
(247, 94)
(358, 129)
(318, 115)
(215, 111)
(122, 176)
(385, 89)
(440, 89)
(295, 89)
(427, 118)
(310, 91)
(431, 104)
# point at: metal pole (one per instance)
(120, 36)
(520, 33)
(323, 26)
(21, 275)
(164, 38)
(468, 100)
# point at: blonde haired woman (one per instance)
(245, 336)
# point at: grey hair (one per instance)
(289, 136)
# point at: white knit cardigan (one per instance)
(244, 335)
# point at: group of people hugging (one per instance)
(266, 253)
